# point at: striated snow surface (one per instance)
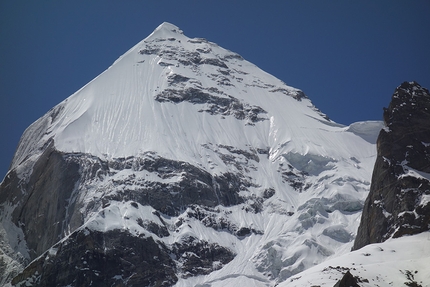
(115, 115)
(189, 100)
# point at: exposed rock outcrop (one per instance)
(216, 105)
(347, 281)
(92, 258)
(399, 198)
(43, 200)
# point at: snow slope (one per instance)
(115, 115)
(189, 100)
(395, 262)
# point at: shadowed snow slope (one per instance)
(230, 174)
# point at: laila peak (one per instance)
(182, 164)
(115, 114)
(167, 27)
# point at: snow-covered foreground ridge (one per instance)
(396, 262)
(183, 142)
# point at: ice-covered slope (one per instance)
(127, 111)
(184, 143)
(396, 208)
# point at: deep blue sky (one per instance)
(347, 56)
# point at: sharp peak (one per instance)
(167, 27)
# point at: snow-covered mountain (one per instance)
(182, 164)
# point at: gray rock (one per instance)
(400, 177)
(92, 258)
(347, 281)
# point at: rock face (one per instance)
(98, 261)
(47, 200)
(116, 256)
(399, 198)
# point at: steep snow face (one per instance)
(173, 94)
(172, 107)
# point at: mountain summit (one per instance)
(164, 80)
(182, 164)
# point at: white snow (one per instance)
(368, 130)
(383, 264)
(411, 172)
(122, 215)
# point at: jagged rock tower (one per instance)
(399, 198)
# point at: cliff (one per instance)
(399, 198)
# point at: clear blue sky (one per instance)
(347, 56)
